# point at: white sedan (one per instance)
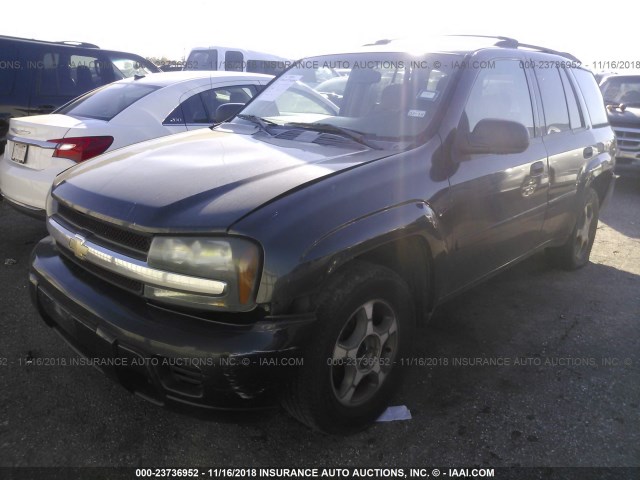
(119, 114)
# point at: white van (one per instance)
(235, 60)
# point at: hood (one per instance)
(201, 180)
(630, 117)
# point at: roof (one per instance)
(460, 44)
(164, 79)
(64, 43)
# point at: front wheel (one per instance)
(365, 323)
(575, 252)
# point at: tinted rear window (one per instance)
(106, 103)
(592, 95)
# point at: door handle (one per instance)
(588, 152)
(537, 168)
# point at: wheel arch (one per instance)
(411, 258)
(602, 182)
(405, 239)
(599, 174)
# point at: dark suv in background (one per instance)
(291, 252)
(36, 76)
(622, 96)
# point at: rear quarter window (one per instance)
(106, 103)
(592, 96)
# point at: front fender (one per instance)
(367, 233)
(310, 232)
(356, 239)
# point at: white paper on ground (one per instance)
(392, 414)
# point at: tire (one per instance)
(575, 252)
(365, 324)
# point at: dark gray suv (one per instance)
(291, 252)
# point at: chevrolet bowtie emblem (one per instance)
(77, 246)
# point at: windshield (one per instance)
(385, 96)
(626, 90)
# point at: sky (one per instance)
(597, 36)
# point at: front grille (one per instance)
(132, 286)
(628, 140)
(107, 234)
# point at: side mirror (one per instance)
(227, 110)
(492, 135)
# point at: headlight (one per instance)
(49, 204)
(231, 260)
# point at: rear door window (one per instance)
(575, 115)
(554, 103)
(201, 107)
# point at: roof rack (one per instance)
(78, 44)
(549, 50)
(502, 42)
(507, 42)
(383, 41)
(71, 43)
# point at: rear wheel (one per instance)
(575, 252)
(364, 325)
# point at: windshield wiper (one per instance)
(261, 122)
(328, 128)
